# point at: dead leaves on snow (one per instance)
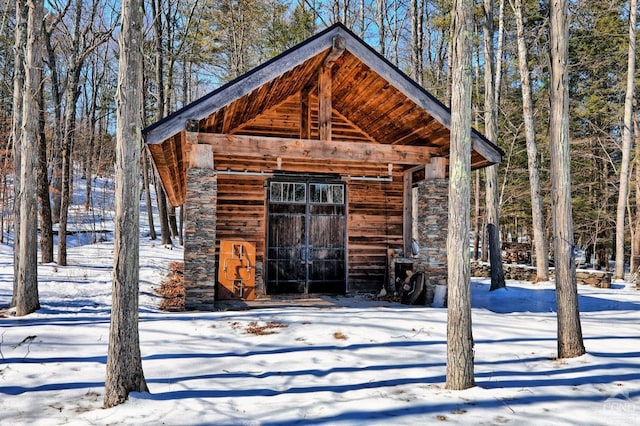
(265, 329)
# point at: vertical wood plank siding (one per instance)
(374, 223)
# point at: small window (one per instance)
(288, 192)
(326, 193)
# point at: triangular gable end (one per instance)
(404, 115)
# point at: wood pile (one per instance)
(172, 289)
(516, 253)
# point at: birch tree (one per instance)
(124, 364)
(570, 343)
(627, 138)
(459, 331)
(539, 239)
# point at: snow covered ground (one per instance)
(358, 362)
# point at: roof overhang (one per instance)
(333, 79)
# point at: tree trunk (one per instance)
(163, 212)
(627, 138)
(57, 135)
(635, 262)
(459, 331)
(96, 81)
(570, 343)
(46, 224)
(147, 192)
(476, 222)
(16, 130)
(417, 37)
(381, 13)
(27, 300)
(163, 215)
(73, 93)
(540, 242)
(124, 364)
(491, 132)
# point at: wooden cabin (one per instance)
(311, 170)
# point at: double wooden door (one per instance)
(306, 236)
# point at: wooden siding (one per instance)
(241, 211)
(374, 224)
(374, 209)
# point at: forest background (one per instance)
(192, 47)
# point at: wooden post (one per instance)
(305, 114)
(436, 169)
(407, 221)
(324, 103)
(198, 155)
(324, 88)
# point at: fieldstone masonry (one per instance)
(594, 278)
(432, 214)
(200, 239)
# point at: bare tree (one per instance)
(26, 297)
(124, 364)
(16, 129)
(84, 40)
(459, 331)
(539, 239)
(46, 223)
(158, 31)
(381, 12)
(570, 343)
(57, 103)
(636, 234)
(627, 138)
(491, 131)
(145, 183)
(417, 40)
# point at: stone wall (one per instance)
(432, 215)
(200, 239)
(593, 278)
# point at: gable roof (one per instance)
(372, 102)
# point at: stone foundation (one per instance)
(601, 279)
(200, 239)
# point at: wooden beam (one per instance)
(338, 45)
(324, 88)
(305, 113)
(257, 146)
(324, 103)
(355, 126)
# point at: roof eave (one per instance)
(235, 89)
